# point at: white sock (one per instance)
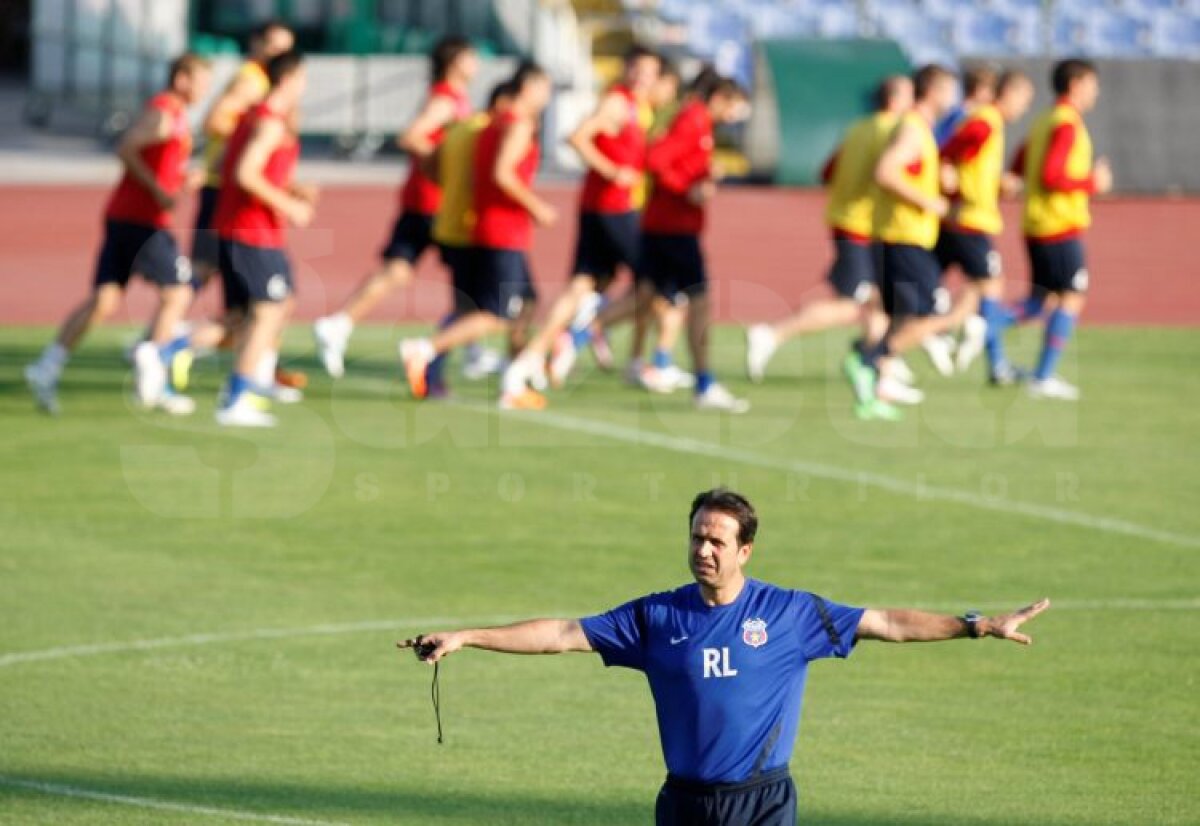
(515, 378)
(343, 323)
(264, 375)
(54, 358)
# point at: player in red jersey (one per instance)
(506, 209)
(672, 270)
(454, 64)
(138, 241)
(258, 198)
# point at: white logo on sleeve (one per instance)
(716, 663)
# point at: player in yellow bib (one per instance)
(975, 152)
(849, 175)
(1060, 178)
(907, 212)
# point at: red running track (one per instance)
(768, 251)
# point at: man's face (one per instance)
(902, 97)
(292, 87)
(275, 42)
(1085, 91)
(944, 94)
(193, 86)
(537, 94)
(1015, 101)
(715, 556)
(466, 65)
(641, 74)
(664, 91)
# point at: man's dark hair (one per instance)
(729, 503)
(637, 51)
(887, 90)
(1010, 78)
(186, 64)
(445, 53)
(1068, 71)
(527, 71)
(925, 77)
(500, 90)
(261, 30)
(979, 76)
(282, 65)
(669, 69)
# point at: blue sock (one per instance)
(238, 384)
(998, 320)
(580, 336)
(168, 350)
(434, 372)
(662, 358)
(704, 380)
(1058, 332)
(1030, 308)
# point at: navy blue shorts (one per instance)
(252, 274)
(205, 244)
(909, 278)
(767, 800)
(501, 284)
(972, 252)
(1057, 266)
(411, 236)
(464, 274)
(853, 272)
(606, 240)
(674, 264)
(137, 249)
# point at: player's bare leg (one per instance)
(332, 332)
(1045, 383)
(42, 375)
(163, 347)
(709, 394)
(417, 353)
(762, 340)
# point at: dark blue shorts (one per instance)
(767, 800)
(502, 284)
(972, 252)
(411, 236)
(1057, 266)
(252, 274)
(137, 249)
(909, 277)
(205, 244)
(674, 264)
(606, 240)
(853, 272)
(464, 274)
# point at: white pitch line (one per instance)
(692, 447)
(59, 790)
(214, 638)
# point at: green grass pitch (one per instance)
(273, 571)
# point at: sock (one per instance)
(581, 336)
(343, 321)
(1029, 309)
(704, 380)
(238, 384)
(167, 351)
(1058, 331)
(998, 320)
(662, 358)
(873, 353)
(54, 358)
(264, 374)
(435, 372)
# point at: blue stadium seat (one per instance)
(992, 32)
(1176, 34)
(1119, 34)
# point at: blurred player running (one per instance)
(612, 144)
(506, 208)
(1060, 177)
(976, 152)
(137, 241)
(978, 89)
(257, 198)
(906, 223)
(672, 261)
(454, 63)
(850, 176)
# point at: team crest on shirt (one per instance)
(754, 632)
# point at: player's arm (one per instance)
(437, 112)
(248, 174)
(903, 151)
(153, 127)
(891, 625)
(223, 115)
(539, 636)
(513, 146)
(608, 119)
(829, 168)
(1054, 169)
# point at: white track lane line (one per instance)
(693, 447)
(58, 790)
(98, 649)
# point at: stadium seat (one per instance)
(1176, 34)
(988, 32)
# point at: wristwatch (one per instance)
(972, 618)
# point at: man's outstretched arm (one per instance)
(920, 626)
(539, 636)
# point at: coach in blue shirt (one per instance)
(726, 658)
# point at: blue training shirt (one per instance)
(727, 680)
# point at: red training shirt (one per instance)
(500, 222)
(240, 216)
(678, 160)
(133, 203)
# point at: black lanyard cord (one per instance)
(435, 694)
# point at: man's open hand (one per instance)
(443, 642)
(1006, 626)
